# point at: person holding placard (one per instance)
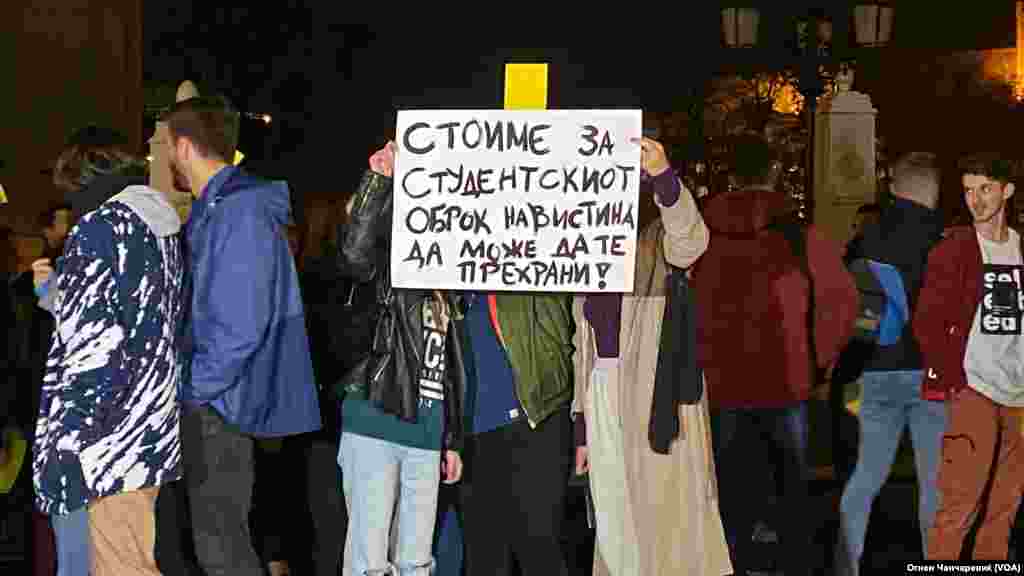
(402, 414)
(655, 500)
(519, 210)
(520, 448)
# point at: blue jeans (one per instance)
(74, 545)
(890, 402)
(375, 474)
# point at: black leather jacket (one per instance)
(364, 257)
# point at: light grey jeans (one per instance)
(381, 479)
(891, 402)
(74, 543)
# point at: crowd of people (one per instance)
(161, 367)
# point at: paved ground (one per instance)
(892, 534)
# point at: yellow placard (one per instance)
(238, 157)
(3, 195)
(526, 86)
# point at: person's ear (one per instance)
(183, 148)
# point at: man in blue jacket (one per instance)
(251, 374)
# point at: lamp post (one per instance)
(814, 47)
(739, 26)
(873, 23)
(814, 56)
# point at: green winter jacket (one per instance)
(536, 330)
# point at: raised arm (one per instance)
(370, 220)
(686, 235)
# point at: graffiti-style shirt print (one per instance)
(432, 369)
(1002, 294)
(995, 348)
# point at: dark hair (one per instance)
(753, 160)
(47, 218)
(90, 152)
(211, 123)
(989, 164)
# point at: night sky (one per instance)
(333, 87)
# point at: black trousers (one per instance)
(220, 475)
(175, 553)
(513, 496)
(747, 444)
(326, 504)
(275, 515)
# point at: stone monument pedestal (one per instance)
(844, 161)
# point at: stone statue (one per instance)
(844, 78)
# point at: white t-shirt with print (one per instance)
(995, 349)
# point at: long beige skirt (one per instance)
(656, 514)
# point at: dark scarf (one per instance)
(679, 379)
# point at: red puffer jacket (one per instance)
(753, 299)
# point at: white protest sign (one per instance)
(516, 200)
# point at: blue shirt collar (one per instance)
(210, 192)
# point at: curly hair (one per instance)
(91, 152)
(991, 165)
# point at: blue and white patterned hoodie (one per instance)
(109, 412)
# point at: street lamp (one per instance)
(739, 27)
(815, 57)
(872, 23)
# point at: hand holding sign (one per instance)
(383, 161)
(653, 159)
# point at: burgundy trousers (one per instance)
(44, 549)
